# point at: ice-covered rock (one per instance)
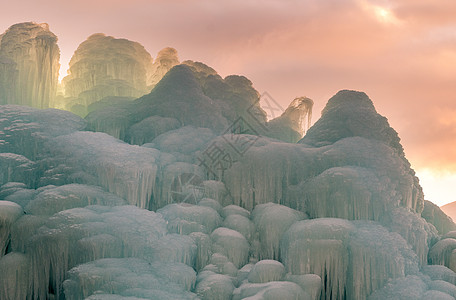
(165, 60)
(352, 258)
(442, 252)
(319, 247)
(437, 217)
(294, 121)
(376, 256)
(439, 272)
(232, 244)
(271, 222)
(14, 282)
(149, 128)
(310, 283)
(269, 291)
(129, 277)
(185, 218)
(79, 235)
(215, 287)
(104, 66)
(27, 131)
(266, 271)
(9, 213)
(127, 171)
(443, 286)
(52, 200)
(410, 287)
(29, 57)
(240, 224)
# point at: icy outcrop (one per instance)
(166, 59)
(27, 131)
(104, 66)
(29, 62)
(55, 199)
(185, 218)
(130, 277)
(278, 171)
(8, 79)
(14, 281)
(110, 162)
(9, 213)
(437, 217)
(232, 244)
(353, 259)
(271, 222)
(269, 291)
(79, 235)
(294, 121)
(214, 287)
(266, 271)
(318, 247)
(149, 128)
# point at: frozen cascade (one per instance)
(33, 49)
(165, 60)
(15, 167)
(104, 66)
(364, 251)
(232, 244)
(327, 194)
(185, 218)
(311, 283)
(272, 221)
(414, 229)
(240, 224)
(442, 251)
(376, 256)
(203, 244)
(410, 287)
(54, 200)
(294, 121)
(9, 213)
(78, 235)
(180, 182)
(14, 282)
(318, 247)
(27, 131)
(434, 215)
(129, 277)
(111, 161)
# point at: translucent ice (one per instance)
(9, 213)
(129, 277)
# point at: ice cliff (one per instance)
(105, 66)
(29, 65)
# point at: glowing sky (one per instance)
(401, 53)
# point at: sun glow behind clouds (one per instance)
(438, 188)
(382, 14)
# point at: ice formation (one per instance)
(165, 60)
(9, 213)
(188, 192)
(104, 66)
(294, 121)
(29, 65)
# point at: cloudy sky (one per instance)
(401, 53)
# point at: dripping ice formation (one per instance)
(189, 192)
(29, 65)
